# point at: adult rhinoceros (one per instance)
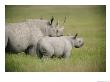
(22, 37)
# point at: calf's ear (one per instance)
(75, 36)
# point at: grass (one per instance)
(88, 21)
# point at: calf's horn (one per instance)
(75, 35)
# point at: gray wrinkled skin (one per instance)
(22, 37)
(47, 30)
(57, 46)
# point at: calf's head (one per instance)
(78, 42)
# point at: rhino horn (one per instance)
(75, 35)
(51, 21)
(64, 20)
(57, 24)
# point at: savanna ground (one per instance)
(88, 21)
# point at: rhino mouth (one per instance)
(51, 36)
(78, 46)
(55, 36)
(59, 35)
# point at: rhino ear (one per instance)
(51, 20)
(75, 36)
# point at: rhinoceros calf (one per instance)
(23, 36)
(58, 46)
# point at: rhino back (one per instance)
(59, 44)
(43, 25)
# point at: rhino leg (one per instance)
(39, 53)
(66, 55)
(6, 40)
(44, 54)
(31, 50)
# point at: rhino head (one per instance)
(48, 28)
(77, 42)
(54, 29)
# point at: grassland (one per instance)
(88, 21)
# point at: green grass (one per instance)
(88, 21)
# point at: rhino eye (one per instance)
(57, 31)
(79, 41)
